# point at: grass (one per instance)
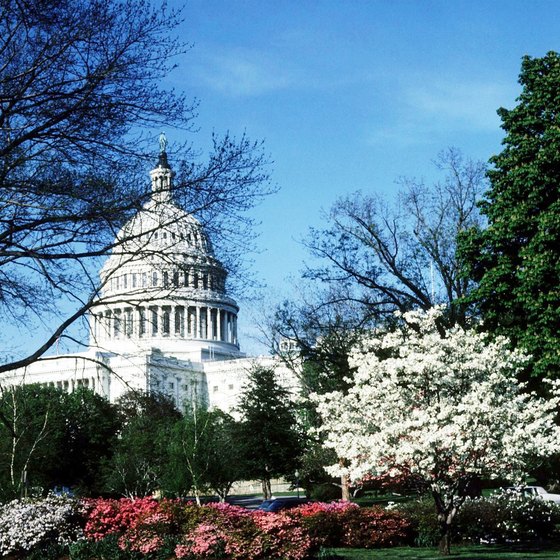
(473, 552)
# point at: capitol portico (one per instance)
(162, 320)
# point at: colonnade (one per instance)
(191, 278)
(192, 321)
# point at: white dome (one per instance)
(162, 285)
(164, 226)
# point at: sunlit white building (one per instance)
(163, 320)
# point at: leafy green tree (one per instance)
(31, 439)
(516, 258)
(137, 465)
(225, 468)
(203, 454)
(57, 439)
(271, 442)
(89, 432)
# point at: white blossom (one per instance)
(28, 523)
(443, 409)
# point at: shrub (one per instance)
(507, 516)
(106, 517)
(422, 517)
(324, 521)
(232, 532)
(374, 527)
(38, 524)
(340, 524)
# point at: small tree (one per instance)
(442, 406)
(203, 454)
(271, 443)
(137, 465)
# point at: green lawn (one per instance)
(479, 552)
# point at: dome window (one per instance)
(154, 279)
(128, 325)
(166, 321)
(142, 321)
(117, 325)
(179, 321)
(154, 320)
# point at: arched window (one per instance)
(154, 278)
(128, 324)
(117, 323)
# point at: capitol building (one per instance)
(162, 320)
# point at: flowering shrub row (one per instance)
(344, 524)
(149, 528)
(221, 530)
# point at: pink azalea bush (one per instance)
(344, 524)
(105, 517)
(239, 534)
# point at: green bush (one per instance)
(106, 548)
(326, 492)
(423, 519)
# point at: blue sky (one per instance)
(350, 95)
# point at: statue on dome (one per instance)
(162, 143)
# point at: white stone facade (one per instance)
(163, 320)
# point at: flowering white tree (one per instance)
(440, 405)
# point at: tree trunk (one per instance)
(445, 545)
(267, 492)
(345, 486)
(445, 519)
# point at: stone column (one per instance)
(197, 323)
(219, 324)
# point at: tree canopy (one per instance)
(384, 257)
(515, 259)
